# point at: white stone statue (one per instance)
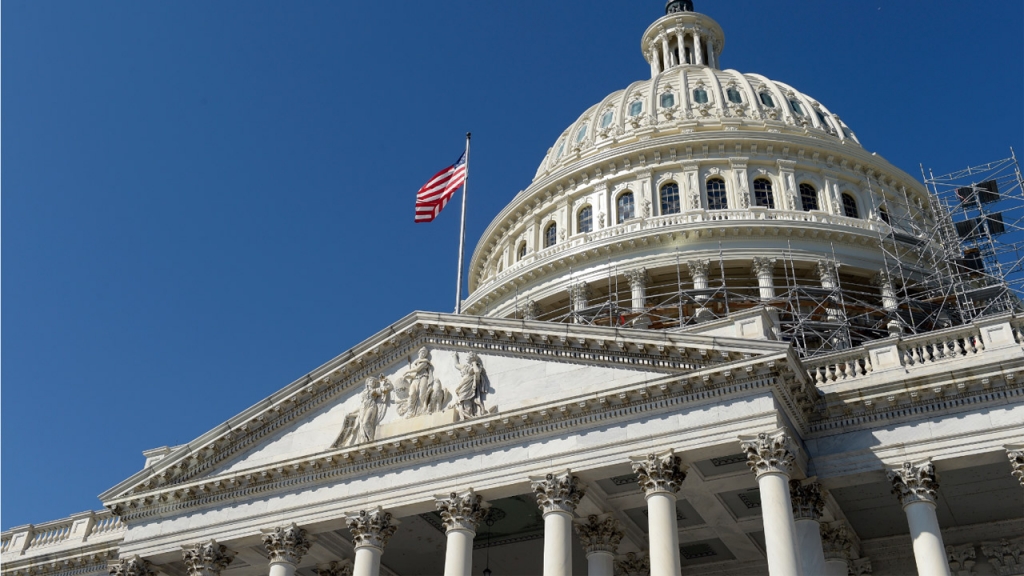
(470, 391)
(422, 394)
(361, 426)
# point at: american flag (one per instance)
(433, 196)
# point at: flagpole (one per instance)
(462, 232)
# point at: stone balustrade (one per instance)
(84, 527)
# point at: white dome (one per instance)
(687, 99)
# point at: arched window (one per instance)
(636, 108)
(850, 206)
(763, 193)
(796, 107)
(581, 134)
(734, 96)
(716, 194)
(700, 96)
(521, 252)
(585, 220)
(624, 206)
(767, 100)
(606, 120)
(550, 235)
(561, 148)
(808, 197)
(670, 198)
(668, 100)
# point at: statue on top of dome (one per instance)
(678, 6)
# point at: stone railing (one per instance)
(914, 352)
(78, 529)
(639, 226)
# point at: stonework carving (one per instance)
(961, 559)
(1017, 463)
(579, 294)
(827, 272)
(132, 566)
(469, 393)
(637, 278)
(337, 568)
(599, 533)
(560, 492)
(422, 393)
(530, 310)
(633, 564)
(763, 266)
(463, 512)
(207, 558)
(860, 567)
(807, 499)
(1006, 556)
(698, 268)
(914, 482)
(645, 208)
(659, 473)
(286, 544)
(371, 528)
(835, 541)
(768, 453)
(361, 426)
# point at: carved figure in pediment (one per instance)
(422, 394)
(471, 389)
(361, 426)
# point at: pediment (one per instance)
(427, 377)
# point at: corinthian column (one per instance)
(889, 304)
(286, 545)
(660, 476)
(917, 489)
(461, 514)
(770, 458)
(131, 566)
(579, 294)
(764, 269)
(206, 558)
(638, 288)
(557, 496)
(836, 546)
(371, 530)
(600, 536)
(808, 505)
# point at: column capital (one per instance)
(559, 492)
(659, 473)
(1004, 555)
(961, 558)
(530, 310)
(134, 565)
(633, 564)
(763, 265)
(206, 558)
(768, 452)
(462, 512)
(338, 568)
(599, 533)
(371, 528)
(808, 501)
(286, 543)
(914, 482)
(637, 278)
(698, 267)
(1016, 456)
(827, 270)
(835, 541)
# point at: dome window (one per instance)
(561, 148)
(700, 96)
(767, 100)
(734, 96)
(581, 134)
(763, 193)
(606, 120)
(884, 215)
(550, 235)
(808, 197)
(624, 207)
(636, 108)
(716, 194)
(585, 220)
(521, 252)
(670, 198)
(668, 100)
(797, 108)
(850, 206)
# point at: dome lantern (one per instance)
(682, 37)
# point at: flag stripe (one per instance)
(435, 194)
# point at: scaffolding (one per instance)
(946, 260)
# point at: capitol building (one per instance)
(713, 336)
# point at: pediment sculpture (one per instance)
(361, 426)
(423, 393)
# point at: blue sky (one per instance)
(204, 201)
